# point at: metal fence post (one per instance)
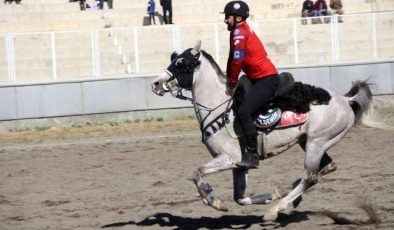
(256, 27)
(295, 40)
(136, 50)
(217, 44)
(10, 56)
(374, 38)
(335, 38)
(97, 48)
(95, 53)
(53, 49)
(176, 38)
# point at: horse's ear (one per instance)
(197, 47)
(173, 56)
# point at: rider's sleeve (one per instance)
(236, 57)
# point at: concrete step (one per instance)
(53, 25)
(61, 61)
(386, 52)
(356, 54)
(27, 8)
(3, 73)
(33, 75)
(24, 2)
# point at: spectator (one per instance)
(151, 11)
(322, 10)
(336, 8)
(10, 1)
(167, 8)
(82, 4)
(97, 5)
(308, 10)
(109, 4)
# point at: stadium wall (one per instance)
(131, 95)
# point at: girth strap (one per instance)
(215, 125)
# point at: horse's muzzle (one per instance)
(157, 88)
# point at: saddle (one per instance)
(276, 119)
(289, 106)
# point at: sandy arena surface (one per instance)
(138, 176)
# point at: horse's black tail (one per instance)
(360, 99)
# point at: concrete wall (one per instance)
(81, 97)
(339, 77)
(127, 94)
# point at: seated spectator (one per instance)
(322, 10)
(82, 4)
(109, 4)
(10, 1)
(308, 10)
(336, 8)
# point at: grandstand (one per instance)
(42, 41)
(39, 15)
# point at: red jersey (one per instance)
(247, 53)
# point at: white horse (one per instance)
(326, 125)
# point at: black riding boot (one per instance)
(250, 159)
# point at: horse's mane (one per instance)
(215, 65)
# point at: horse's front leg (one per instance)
(220, 163)
(240, 179)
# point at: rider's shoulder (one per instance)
(241, 30)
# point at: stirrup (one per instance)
(251, 161)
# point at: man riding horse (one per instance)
(247, 53)
(329, 116)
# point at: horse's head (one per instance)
(179, 74)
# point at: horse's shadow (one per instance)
(223, 222)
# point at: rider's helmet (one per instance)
(237, 8)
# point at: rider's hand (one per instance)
(229, 90)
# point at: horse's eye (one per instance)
(179, 63)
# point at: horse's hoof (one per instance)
(279, 193)
(270, 217)
(219, 205)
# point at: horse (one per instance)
(196, 71)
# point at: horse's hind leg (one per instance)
(218, 164)
(315, 149)
(326, 166)
(309, 179)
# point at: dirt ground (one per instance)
(138, 176)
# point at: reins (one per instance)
(215, 124)
(221, 120)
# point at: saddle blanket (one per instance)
(290, 118)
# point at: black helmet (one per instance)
(239, 8)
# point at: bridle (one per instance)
(181, 68)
